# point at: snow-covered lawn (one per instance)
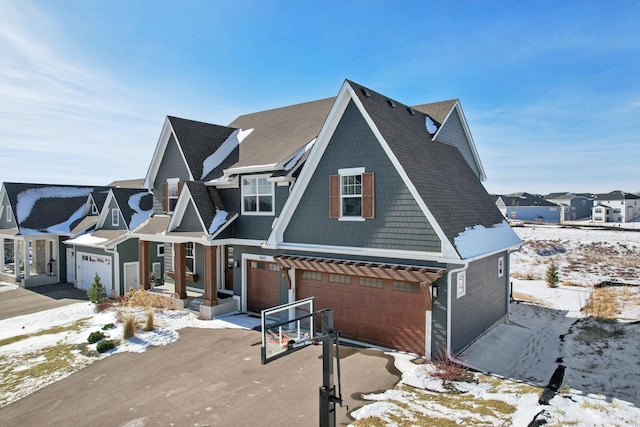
(546, 328)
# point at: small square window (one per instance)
(115, 217)
(160, 250)
(461, 284)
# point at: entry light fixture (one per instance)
(434, 291)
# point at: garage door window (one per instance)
(340, 278)
(371, 283)
(312, 275)
(106, 261)
(405, 287)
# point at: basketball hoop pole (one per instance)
(328, 396)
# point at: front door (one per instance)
(228, 268)
(131, 273)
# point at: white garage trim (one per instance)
(245, 258)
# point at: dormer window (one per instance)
(115, 217)
(94, 209)
(351, 195)
(257, 195)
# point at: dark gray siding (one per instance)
(6, 221)
(453, 133)
(399, 223)
(190, 220)
(171, 166)
(108, 225)
(62, 259)
(439, 319)
(257, 227)
(484, 304)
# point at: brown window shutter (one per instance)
(165, 197)
(334, 196)
(180, 185)
(368, 202)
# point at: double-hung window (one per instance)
(172, 193)
(351, 194)
(115, 217)
(257, 195)
(190, 258)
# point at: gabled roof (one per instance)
(136, 205)
(98, 196)
(616, 195)
(47, 208)
(279, 133)
(440, 178)
(208, 205)
(439, 111)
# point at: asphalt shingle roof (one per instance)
(132, 202)
(441, 175)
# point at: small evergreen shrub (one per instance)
(129, 327)
(95, 337)
(97, 293)
(108, 326)
(552, 276)
(105, 345)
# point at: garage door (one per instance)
(89, 266)
(382, 312)
(263, 285)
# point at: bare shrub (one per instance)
(144, 298)
(150, 321)
(448, 369)
(130, 326)
(103, 306)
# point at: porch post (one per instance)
(210, 276)
(3, 255)
(16, 260)
(143, 264)
(27, 266)
(180, 269)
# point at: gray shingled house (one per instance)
(109, 249)
(35, 220)
(373, 207)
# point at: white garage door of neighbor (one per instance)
(89, 266)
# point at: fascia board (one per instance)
(158, 153)
(243, 170)
(103, 212)
(329, 126)
(472, 144)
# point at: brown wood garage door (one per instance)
(392, 315)
(263, 285)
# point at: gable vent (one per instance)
(411, 111)
(391, 103)
(365, 92)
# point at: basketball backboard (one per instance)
(286, 328)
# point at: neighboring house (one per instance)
(528, 207)
(35, 220)
(616, 206)
(575, 207)
(373, 207)
(128, 183)
(109, 250)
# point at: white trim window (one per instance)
(8, 213)
(461, 287)
(351, 195)
(258, 195)
(115, 217)
(173, 191)
(160, 250)
(190, 257)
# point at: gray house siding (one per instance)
(62, 259)
(7, 219)
(171, 166)
(439, 319)
(399, 223)
(453, 133)
(484, 303)
(108, 224)
(190, 220)
(255, 227)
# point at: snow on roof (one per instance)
(291, 163)
(28, 198)
(479, 240)
(218, 221)
(431, 125)
(86, 239)
(139, 216)
(218, 156)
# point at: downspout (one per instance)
(510, 293)
(116, 262)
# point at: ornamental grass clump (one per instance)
(129, 330)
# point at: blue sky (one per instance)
(551, 90)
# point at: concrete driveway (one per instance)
(206, 378)
(16, 301)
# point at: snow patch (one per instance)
(139, 215)
(28, 198)
(218, 221)
(218, 156)
(86, 240)
(431, 125)
(479, 240)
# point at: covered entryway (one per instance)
(374, 303)
(263, 285)
(89, 265)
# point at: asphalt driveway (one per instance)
(206, 378)
(15, 301)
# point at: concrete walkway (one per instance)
(16, 301)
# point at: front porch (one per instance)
(194, 300)
(29, 262)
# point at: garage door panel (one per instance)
(381, 316)
(90, 265)
(263, 286)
